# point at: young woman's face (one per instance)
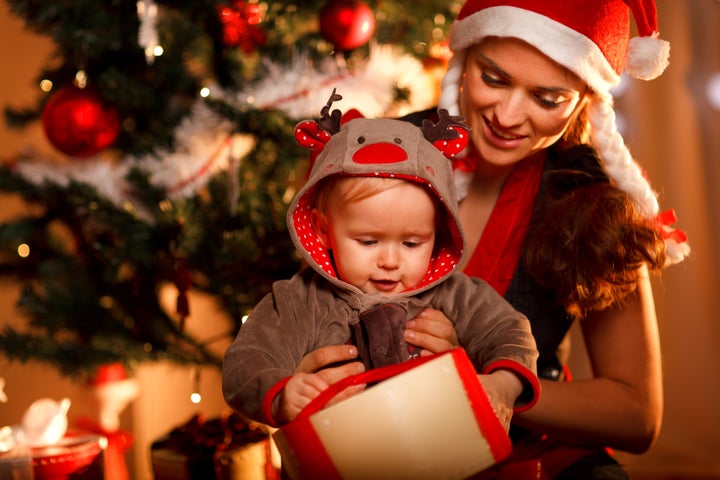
(516, 100)
(382, 243)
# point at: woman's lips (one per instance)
(501, 138)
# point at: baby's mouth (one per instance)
(384, 284)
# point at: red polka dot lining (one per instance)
(440, 265)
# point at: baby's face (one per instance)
(382, 243)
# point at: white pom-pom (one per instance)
(675, 252)
(647, 57)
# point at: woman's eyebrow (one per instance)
(558, 90)
(496, 67)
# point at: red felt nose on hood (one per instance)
(380, 153)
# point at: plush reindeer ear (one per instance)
(314, 135)
(449, 135)
(308, 134)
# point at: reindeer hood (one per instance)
(384, 148)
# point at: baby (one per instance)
(377, 223)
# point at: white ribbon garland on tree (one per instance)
(204, 139)
(148, 37)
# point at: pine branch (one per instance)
(96, 266)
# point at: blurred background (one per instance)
(208, 250)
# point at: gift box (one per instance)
(79, 455)
(427, 418)
(224, 448)
(16, 463)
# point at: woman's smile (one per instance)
(500, 137)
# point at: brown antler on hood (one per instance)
(449, 134)
(441, 130)
(330, 121)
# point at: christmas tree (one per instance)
(173, 124)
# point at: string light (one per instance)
(713, 91)
(81, 79)
(3, 397)
(195, 396)
(23, 250)
(46, 85)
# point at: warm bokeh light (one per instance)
(23, 250)
(46, 85)
(713, 91)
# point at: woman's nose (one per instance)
(510, 109)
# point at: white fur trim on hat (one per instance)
(561, 43)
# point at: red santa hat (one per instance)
(591, 38)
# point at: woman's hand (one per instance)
(432, 331)
(622, 405)
(331, 364)
(503, 388)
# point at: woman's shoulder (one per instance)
(416, 118)
(603, 235)
(581, 157)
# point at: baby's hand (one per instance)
(502, 388)
(300, 390)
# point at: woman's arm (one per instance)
(622, 405)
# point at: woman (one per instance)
(563, 222)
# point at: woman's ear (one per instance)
(320, 225)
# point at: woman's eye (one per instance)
(492, 80)
(551, 100)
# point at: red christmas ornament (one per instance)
(79, 123)
(240, 21)
(347, 24)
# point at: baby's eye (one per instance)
(366, 242)
(410, 244)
